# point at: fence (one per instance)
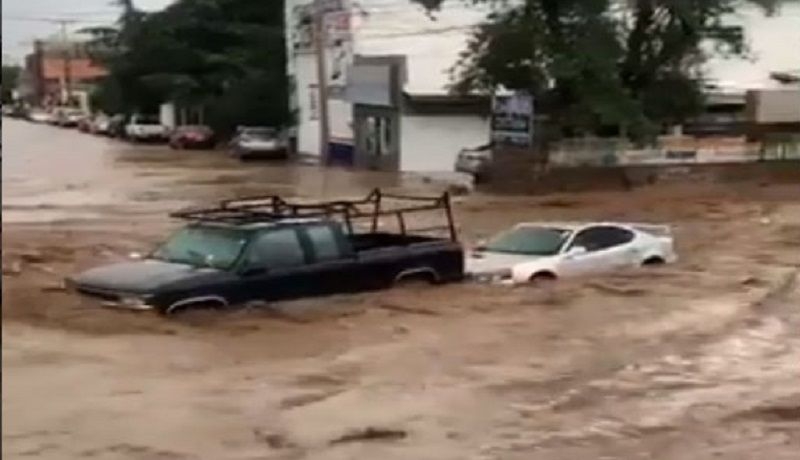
(597, 152)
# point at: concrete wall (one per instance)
(431, 143)
(521, 174)
(774, 106)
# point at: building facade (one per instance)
(399, 31)
(59, 73)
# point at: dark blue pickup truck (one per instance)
(267, 249)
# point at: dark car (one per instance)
(259, 142)
(267, 249)
(116, 126)
(192, 137)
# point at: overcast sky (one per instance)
(26, 20)
(775, 41)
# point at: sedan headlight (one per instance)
(499, 276)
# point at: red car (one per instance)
(192, 137)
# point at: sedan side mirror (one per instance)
(576, 251)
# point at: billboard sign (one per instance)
(512, 120)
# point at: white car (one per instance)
(146, 128)
(40, 116)
(534, 252)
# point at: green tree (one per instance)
(225, 55)
(10, 77)
(595, 64)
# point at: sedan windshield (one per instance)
(204, 246)
(534, 241)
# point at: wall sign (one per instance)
(512, 120)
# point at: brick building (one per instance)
(56, 71)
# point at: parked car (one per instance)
(14, 111)
(69, 117)
(85, 124)
(535, 252)
(143, 128)
(100, 125)
(192, 137)
(475, 162)
(259, 142)
(56, 115)
(268, 249)
(37, 115)
(116, 126)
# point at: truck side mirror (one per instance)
(254, 271)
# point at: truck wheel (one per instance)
(416, 278)
(183, 307)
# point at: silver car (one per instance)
(475, 162)
(261, 142)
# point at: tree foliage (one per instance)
(225, 55)
(594, 64)
(11, 74)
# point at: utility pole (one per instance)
(322, 80)
(67, 58)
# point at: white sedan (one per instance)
(534, 252)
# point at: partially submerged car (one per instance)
(476, 162)
(37, 115)
(267, 249)
(536, 252)
(70, 117)
(146, 128)
(259, 142)
(192, 137)
(100, 125)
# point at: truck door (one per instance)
(333, 260)
(276, 266)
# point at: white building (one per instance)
(421, 128)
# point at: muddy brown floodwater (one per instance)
(697, 360)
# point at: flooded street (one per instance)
(696, 360)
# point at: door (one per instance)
(337, 267)
(607, 248)
(275, 266)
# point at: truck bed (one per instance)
(373, 241)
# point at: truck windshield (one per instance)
(204, 246)
(534, 241)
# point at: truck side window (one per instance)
(276, 249)
(326, 246)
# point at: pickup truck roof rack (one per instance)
(273, 208)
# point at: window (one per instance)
(204, 246)
(378, 136)
(599, 238)
(326, 246)
(535, 241)
(276, 249)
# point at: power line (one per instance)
(53, 20)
